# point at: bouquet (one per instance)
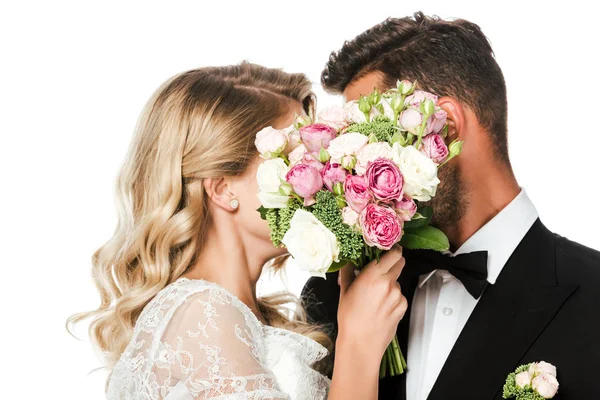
(355, 182)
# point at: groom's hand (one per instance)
(372, 304)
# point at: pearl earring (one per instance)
(234, 204)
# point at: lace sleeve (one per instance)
(211, 348)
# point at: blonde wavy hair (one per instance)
(199, 124)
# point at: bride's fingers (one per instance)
(345, 278)
(396, 269)
(387, 261)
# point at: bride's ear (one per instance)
(219, 192)
(456, 118)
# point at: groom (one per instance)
(541, 297)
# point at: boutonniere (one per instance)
(535, 381)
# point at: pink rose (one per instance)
(380, 226)
(406, 208)
(317, 136)
(357, 192)
(433, 146)
(419, 96)
(306, 181)
(546, 385)
(311, 159)
(411, 119)
(437, 121)
(332, 174)
(384, 179)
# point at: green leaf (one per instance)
(426, 213)
(263, 212)
(425, 238)
(336, 266)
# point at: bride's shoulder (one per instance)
(209, 306)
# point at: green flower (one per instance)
(381, 127)
(327, 211)
(279, 220)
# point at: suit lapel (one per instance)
(394, 388)
(506, 321)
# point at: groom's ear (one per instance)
(456, 118)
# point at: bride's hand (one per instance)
(371, 305)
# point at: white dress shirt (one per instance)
(442, 305)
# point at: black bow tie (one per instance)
(469, 268)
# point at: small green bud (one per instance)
(285, 189)
(324, 155)
(349, 162)
(406, 88)
(397, 103)
(428, 107)
(455, 148)
(338, 188)
(375, 97)
(341, 203)
(372, 138)
(301, 120)
(364, 105)
(399, 138)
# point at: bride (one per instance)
(179, 317)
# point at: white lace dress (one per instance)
(195, 340)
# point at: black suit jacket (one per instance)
(544, 306)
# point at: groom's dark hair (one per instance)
(448, 58)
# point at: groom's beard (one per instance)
(450, 203)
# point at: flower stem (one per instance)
(421, 131)
(446, 162)
(284, 158)
(396, 362)
(383, 366)
(391, 363)
(398, 355)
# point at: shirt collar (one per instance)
(500, 236)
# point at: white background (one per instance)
(75, 75)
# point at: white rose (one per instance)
(270, 142)
(335, 116)
(418, 170)
(523, 379)
(311, 244)
(370, 153)
(270, 175)
(354, 113)
(546, 385)
(542, 368)
(346, 145)
(349, 216)
(296, 155)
